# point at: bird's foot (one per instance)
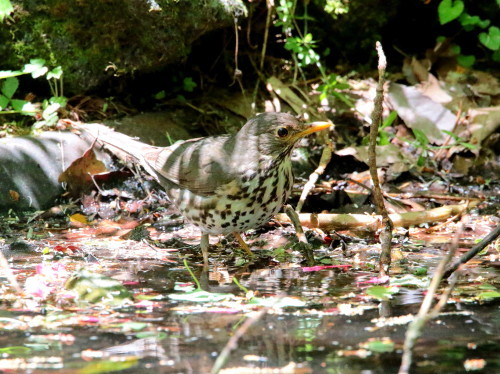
(243, 244)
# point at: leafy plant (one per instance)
(303, 47)
(5, 9)
(332, 86)
(384, 137)
(181, 85)
(48, 114)
(427, 150)
(336, 7)
(8, 88)
(450, 10)
(459, 141)
(422, 142)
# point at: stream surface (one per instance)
(334, 330)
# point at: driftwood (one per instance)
(364, 222)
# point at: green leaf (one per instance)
(200, 296)
(468, 145)
(28, 108)
(456, 49)
(9, 87)
(382, 292)
(60, 100)
(484, 23)
(381, 346)
(5, 9)
(160, 95)
(36, 67)
(409, 280)
(452, 134)
(469, 22)
(308, 38)
(496, 56)
(109, 366)
(188, 84)
(383, 138)
(18, 105)
(422, 270)
(488, 295)
(55, 73)
(97, 288)
(159, 335)
(389, 120)
(4, 101)
(491, 39)
(10, 73)
(18, 350)
(133, 326)
(50, 110)
(448, 10)
(421, 160)
(421, 138)
(487, 286)
(466, 61)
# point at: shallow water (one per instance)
(327, 335)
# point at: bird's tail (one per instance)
(122, 146)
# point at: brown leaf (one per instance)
(78, 176)
(14, 195)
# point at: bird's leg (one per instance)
(204, 243)
(243, 244)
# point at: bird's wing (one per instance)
(199, 165)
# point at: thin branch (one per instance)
(233, 341)
(425, 313)
(473, 251)
(270, 7)
(326, 156)
(386, 233)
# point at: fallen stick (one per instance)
(364, 222)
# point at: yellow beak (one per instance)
(314, 127)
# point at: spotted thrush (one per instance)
(225, 184)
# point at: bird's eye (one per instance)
(282, 132)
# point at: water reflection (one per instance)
(328, 335)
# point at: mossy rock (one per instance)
(95, 41)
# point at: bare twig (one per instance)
(425, 313)
(473, 251)
(270, 7)
(237, 72)
(233, 341)
(386, 233)
(326, 156)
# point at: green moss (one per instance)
(86, 37)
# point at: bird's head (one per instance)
(276, 134)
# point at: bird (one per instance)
(225, 184)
